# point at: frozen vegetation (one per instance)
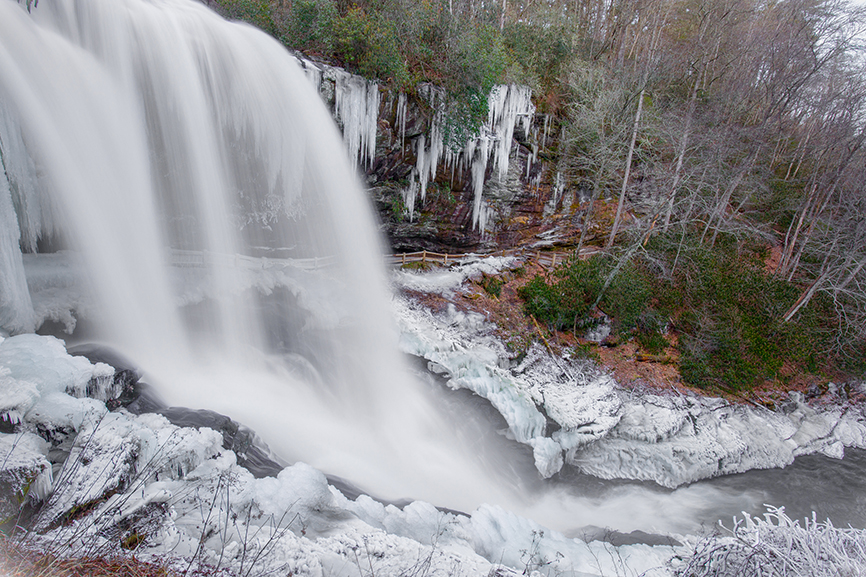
(176, 492)
(102, 479)
(775, 545)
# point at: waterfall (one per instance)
(194, 180)
(175, 181)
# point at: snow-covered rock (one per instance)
(174, 493)
(570, 412)
(25, 472)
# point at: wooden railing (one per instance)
(548, 259)
(426, 256)
(199, 259)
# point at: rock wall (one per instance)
(499, 189)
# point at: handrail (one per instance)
(192, 258)
(544, 259)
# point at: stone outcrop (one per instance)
(498, 189)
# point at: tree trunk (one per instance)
(693, 97)
(628, 160)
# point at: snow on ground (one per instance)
(448, 280)
(569, 411)
(139, 481)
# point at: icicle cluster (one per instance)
(356, 106)
(357, 110)
(509, 106)
(24, 216)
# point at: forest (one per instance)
(738, 124)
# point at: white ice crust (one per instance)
(187, 494)
(601, 428)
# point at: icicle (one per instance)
(546, 132)
(410, 193)
(371, 123)
(33, 207)
(427, 157)
(479, 152)
(16, 308)
(312, 72)
(531, 159)
(401, 118)
(357, 110)
(558, 187)
(508, 105)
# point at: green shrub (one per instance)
(311, 25)
(730, 314)
(565, 304)
(652, 342)
(627, 298)
(727, 310)
(255, 12)
(586, 351)
(368, 43)
(492, 285)
(540, 53)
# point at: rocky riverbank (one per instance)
(85, 479)
(571, 410)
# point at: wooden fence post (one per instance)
(424, 257)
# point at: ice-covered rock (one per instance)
(37, 379)
(25, 472)
(120, 453)
(681, 440)
(602, 430)
(447, 281)
(583, 403)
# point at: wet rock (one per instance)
(251, 452)
(123, 389)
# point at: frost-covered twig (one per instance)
(777, 545)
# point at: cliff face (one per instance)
(498, 189)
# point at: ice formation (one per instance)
(602, 430)
(355, 101)
(184, 496)
(357, 111)
(509, 106)
(25, 471)
(584, 404)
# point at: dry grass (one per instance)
(21, 561)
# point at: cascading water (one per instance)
(226, 244)
(199, 185)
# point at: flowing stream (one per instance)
(192, 171)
